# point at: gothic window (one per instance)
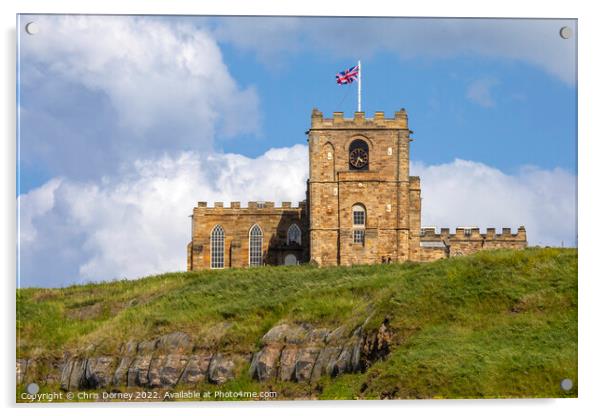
(359, 224)
(293, 235)
(358, 155)
(217, 247)
(255, 244)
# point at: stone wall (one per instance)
(237, 222)
(468, 240)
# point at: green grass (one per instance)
(495, 324)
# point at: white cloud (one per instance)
(123, 86)
(35, 204)
(479, 91)
(139, 224)
(464, 193)
(535, 41)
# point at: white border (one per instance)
(590, 139)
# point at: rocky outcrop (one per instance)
(288, 352)
(303, 353)
(159, 363)
(86, 373)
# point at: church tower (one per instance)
(364, 206)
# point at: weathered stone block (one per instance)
(138, 371)
(197, 368)
(221, 369)
(98, 372)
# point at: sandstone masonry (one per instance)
(362, 207)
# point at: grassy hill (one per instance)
(495, 324)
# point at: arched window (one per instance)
(293, 235)
(255, 244)
(217, 247)
(359, 224)
(358, 155)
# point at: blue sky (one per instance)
(508, 127)
(511, 130)
(118, 114)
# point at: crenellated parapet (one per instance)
(359, 120)
(251, 205)
(415, 183)
(468, 240)
(473, 233)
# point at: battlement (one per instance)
(359, 121)
(251, 205)
(470, 233)
(415, 183)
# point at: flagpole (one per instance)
(359, 86)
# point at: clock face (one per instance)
(358, 158)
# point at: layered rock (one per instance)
(303, 353)
(288, 352)
(160, 363)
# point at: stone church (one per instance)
(362, 207)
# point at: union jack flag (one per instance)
(348, 75)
